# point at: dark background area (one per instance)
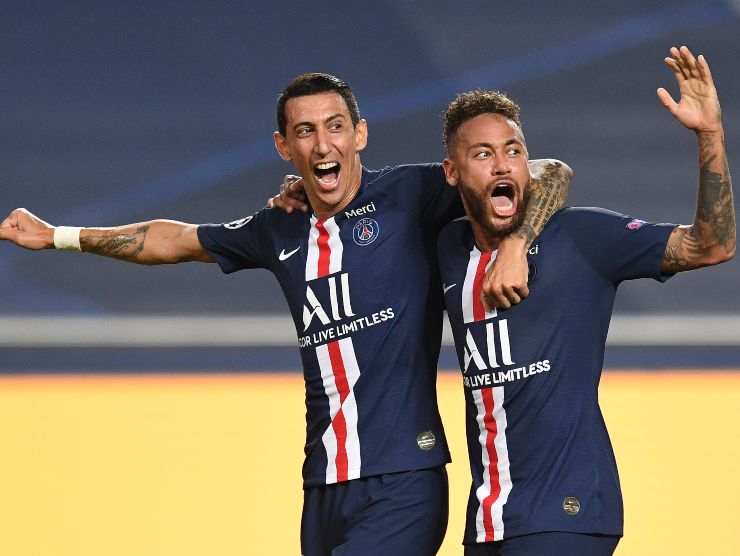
(116, 112)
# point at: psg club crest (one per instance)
(365, 231)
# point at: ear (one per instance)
(451, 172)
(281, 144)
(361, 135)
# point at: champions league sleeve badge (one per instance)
(365, 231)
(635, 224)
(236, 224)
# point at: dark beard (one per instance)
(478, 205)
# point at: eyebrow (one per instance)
(326, 120)
(511, 141)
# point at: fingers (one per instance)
(704, 67)
(291, 196)
(290, 179)
(686, 66)
(286, 202)
(502, 297)
(8, 234)
(667, 100)
(279, 202)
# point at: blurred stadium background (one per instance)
(159, 410)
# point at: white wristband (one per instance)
(67, 237)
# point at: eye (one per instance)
(482, 155)
(513, 151)
(336, 126)
(303, 131)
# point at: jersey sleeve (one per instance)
(422, 189)
(237, 245)
(617, 246)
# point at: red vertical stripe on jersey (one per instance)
(479, 313)
(339, 424)
(491, 427)
(324, 251)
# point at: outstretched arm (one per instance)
(149, 243)
(505, 283)
(711, 238)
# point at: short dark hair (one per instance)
(314, 84)
(467, 106)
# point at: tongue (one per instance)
(329, 177)
(502, 205)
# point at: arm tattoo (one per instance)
(549, 190)
(119, 246)
(713, 233)
(715, 204)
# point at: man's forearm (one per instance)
(550, 183)
(711, 238)
(148, 243)
(120, 243)
(714, 210)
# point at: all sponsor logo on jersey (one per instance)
(497, 354)
(473, 355)
(365, 231)
(339, 308)
(334, 316)
(238, 223)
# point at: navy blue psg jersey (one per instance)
(364, 291)
(540, 456)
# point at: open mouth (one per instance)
(327, 173)
(503, 200)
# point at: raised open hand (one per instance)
(698, 108)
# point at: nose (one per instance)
(322, 147)
(500, 166)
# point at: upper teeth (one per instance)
(325, 165)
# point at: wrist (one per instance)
(515, 242)
(717, 133)
(67, 238)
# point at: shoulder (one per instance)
(455, 233)
(265, 223)
(578, 217)
(406, 175)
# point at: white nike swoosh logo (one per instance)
(446, 288)
(283, 255)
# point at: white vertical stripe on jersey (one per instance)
(349, 409)
(352, 371)
(502, 453)
(467, 289)
(335, 245)
(312, 257)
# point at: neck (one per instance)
(484, 239)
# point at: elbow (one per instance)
(566, 170)
(560, 168)
(719, 255)
(729, 254)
